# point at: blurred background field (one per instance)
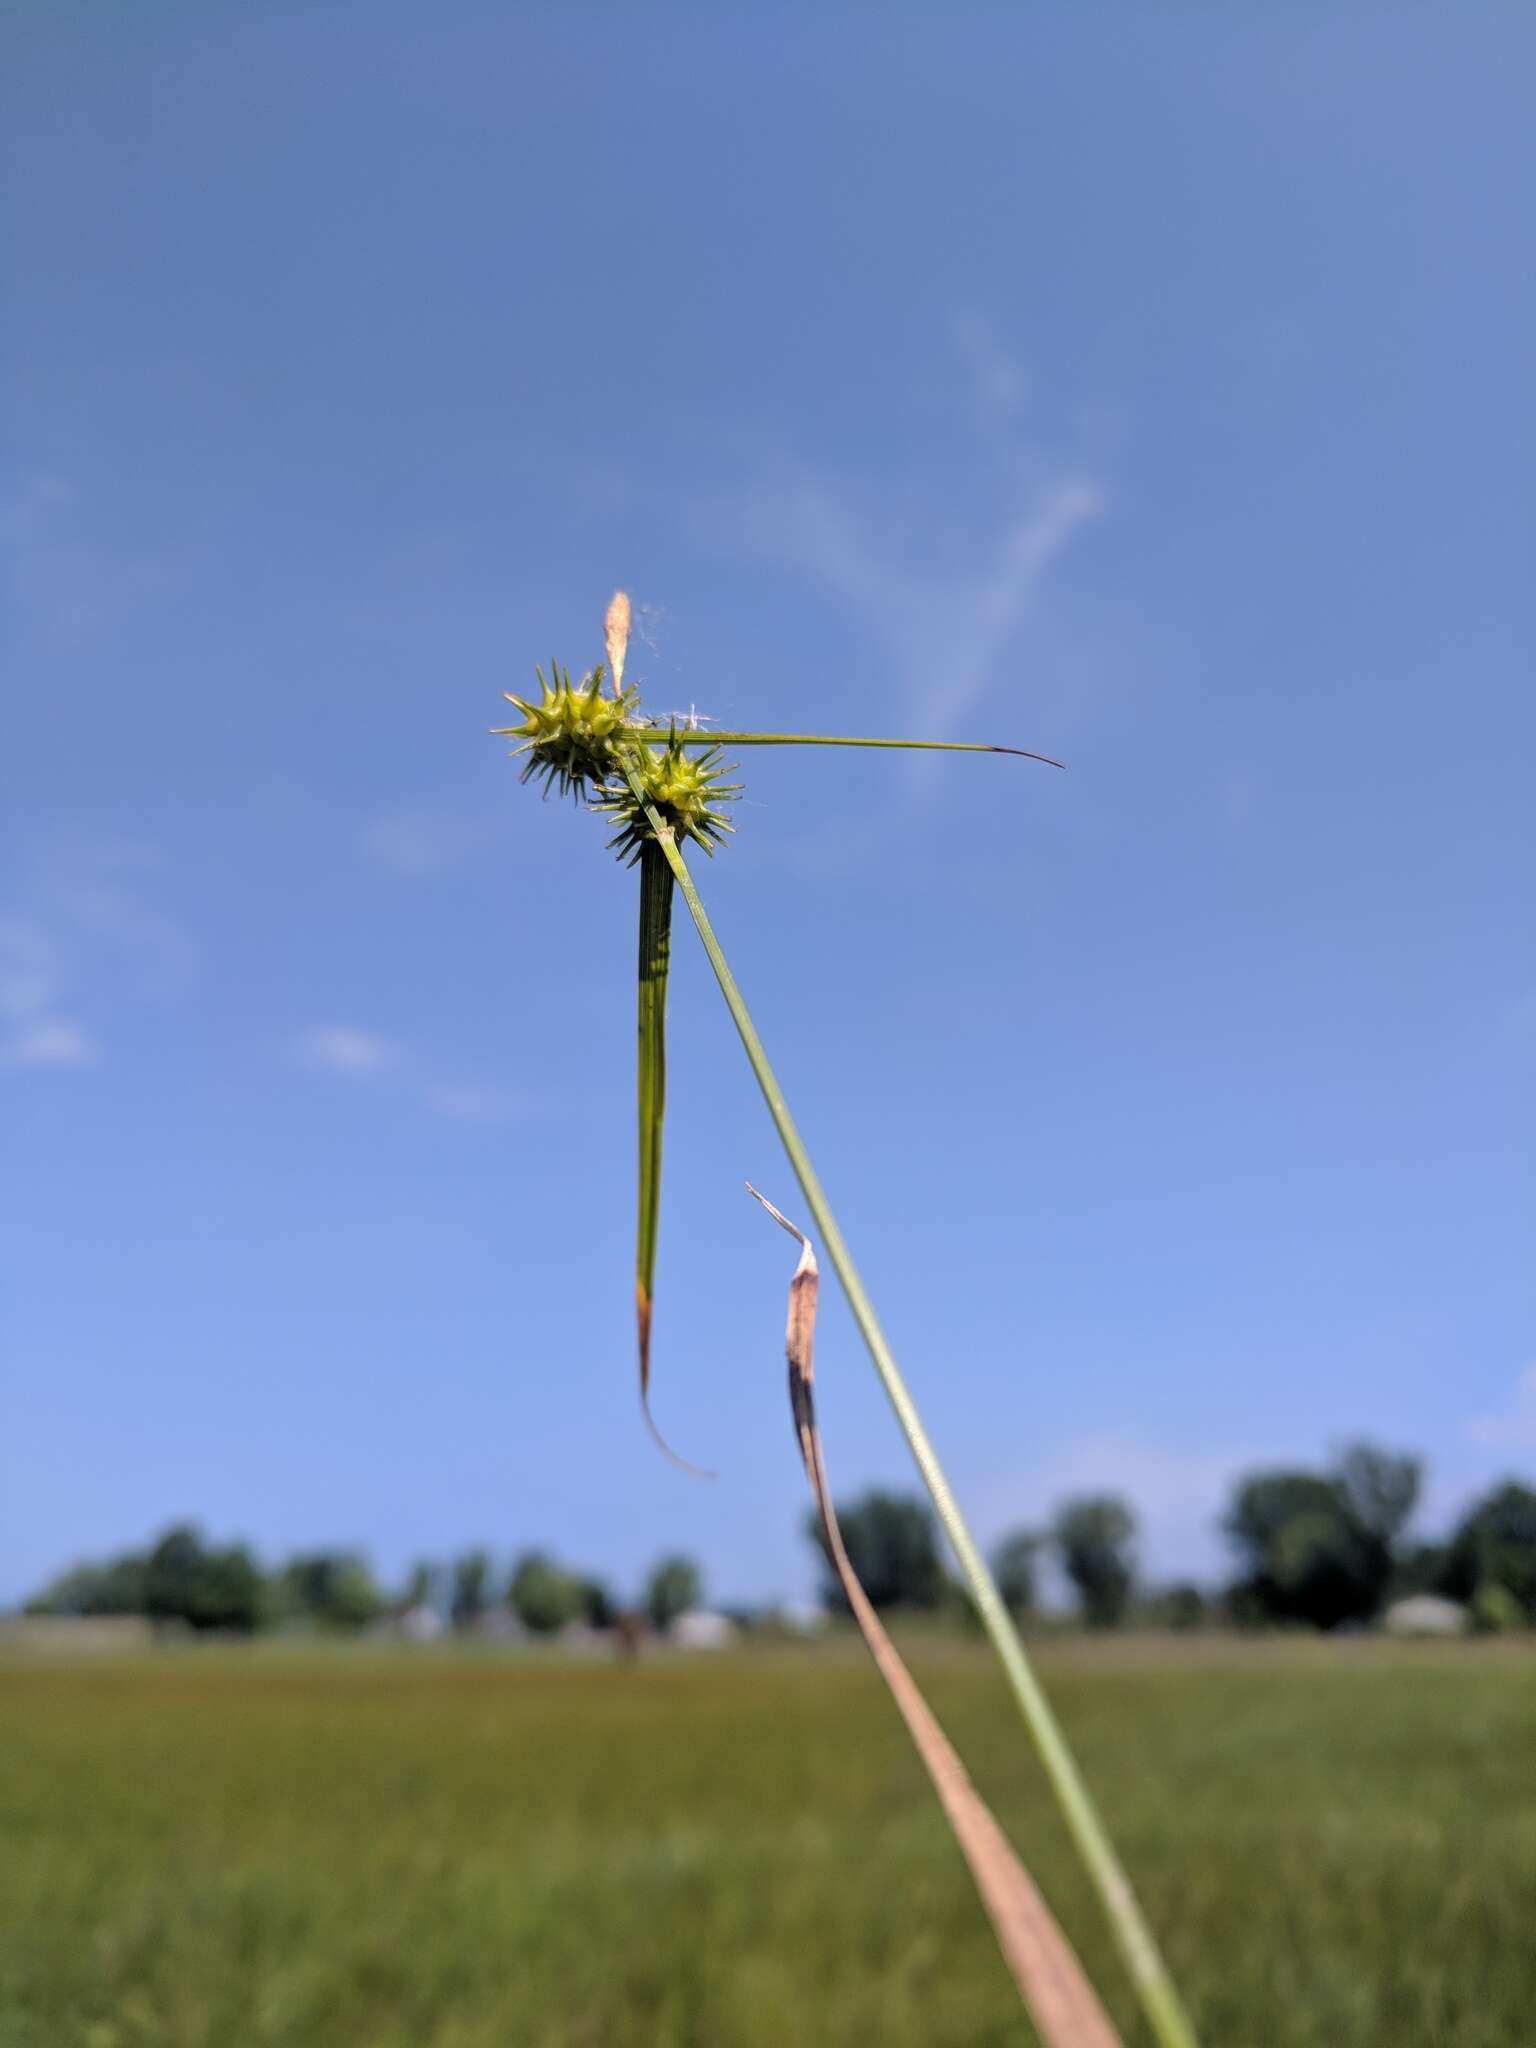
(454, 1848)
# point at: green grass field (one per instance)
(1337, 1843)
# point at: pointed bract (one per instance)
(692, 738)
(651, 1105)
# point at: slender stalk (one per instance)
(1159, 1999)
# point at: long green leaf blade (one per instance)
(702, 738)
(651, 1084)
(656, 884)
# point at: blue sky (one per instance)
(1155, 392)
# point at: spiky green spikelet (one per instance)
(568, 734)
(683, 789)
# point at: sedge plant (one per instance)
(662, 787)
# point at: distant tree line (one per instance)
(185, 1581)
(1321, 1549)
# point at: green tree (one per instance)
(1495, 1610)
(1182, 1606)
(542, 1595)
(116, 1587)
(180, 1579)
(673, 1587)
(1322, 1547)
(187, 1581)
(1301, 1557)
(1419, 1568)
(417, 1590)
(332, 1589)
(1094, 1534)
(172, 1573)
(1380, 1490)
(471, 1577)
(1495, 1546)
(236, 1594)
(1321, 1570)
(892, 1547)
(1264, 1502)
(1013, 1567)
(599, 1609)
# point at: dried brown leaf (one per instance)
(1050, 1979)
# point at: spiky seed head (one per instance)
(568, 731)
(682, 788)
(616, 636)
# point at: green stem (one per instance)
(1159, 1999)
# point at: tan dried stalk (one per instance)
(616, 637)
(1050, 1979)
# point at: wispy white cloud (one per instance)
(940, 588)
(47, 1042)
(89, 916)
(112, 911)
(1162, 1480)
(359, 1055)
(345, 1049)
(997, 380)
(469, 1104)
(945, 629)
(27, 988)
(35, 1031)
(1515, 1427)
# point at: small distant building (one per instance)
(498, 1625)
(1425, 1614)
(700, 1629)
(802, 1618)
(420, 1624)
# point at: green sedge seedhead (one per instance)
(568, 732)
(682, 789)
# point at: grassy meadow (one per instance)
(432, 1849)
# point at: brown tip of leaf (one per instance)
(1026, 754)
(643, 1335)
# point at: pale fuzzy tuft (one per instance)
(616, 636)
